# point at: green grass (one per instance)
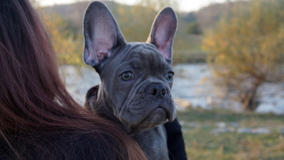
(202, 144)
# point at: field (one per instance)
(214, 135)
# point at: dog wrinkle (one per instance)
(133, 92)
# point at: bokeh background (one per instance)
(228, 63)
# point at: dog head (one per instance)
(136, 77)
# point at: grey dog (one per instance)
(136, 77)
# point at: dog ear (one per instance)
(163, 31)
(101, 34)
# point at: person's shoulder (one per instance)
(85, 146)
(94, 146)
(57, 146)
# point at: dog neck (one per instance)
(95, 102)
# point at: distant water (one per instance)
(192, 82)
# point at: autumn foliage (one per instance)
(247, 50)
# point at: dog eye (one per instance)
(170, 76)
(126, 76)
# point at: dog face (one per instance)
(136, 77)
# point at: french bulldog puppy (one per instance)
(136, 77)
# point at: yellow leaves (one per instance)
(203, 80)
(121, 11)
(249, 42)
(208, 43)
(67, 48)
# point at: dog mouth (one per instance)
(169, 112)
(159, 109)
(158, 116)
(147, 113)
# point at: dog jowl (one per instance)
(136, 77)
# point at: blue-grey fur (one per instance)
(142, 104)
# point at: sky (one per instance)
(184, 5)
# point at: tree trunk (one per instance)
(250, 101)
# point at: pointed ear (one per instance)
(101, 34)
(163, 31)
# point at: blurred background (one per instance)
(228, 61)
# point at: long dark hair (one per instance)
(33, 99)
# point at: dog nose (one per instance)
(158, 90)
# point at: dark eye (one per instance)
(126, 76)
(170, 76)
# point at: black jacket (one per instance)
(175, 142)
(80, 146)
(49, 146)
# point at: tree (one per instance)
(135, 22)
(68, 48)
(193, 28)
(247, 50)
(159, 4)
